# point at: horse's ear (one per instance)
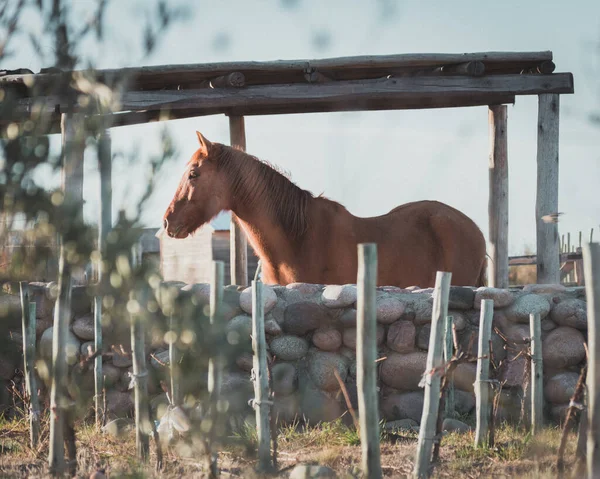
(205, 145)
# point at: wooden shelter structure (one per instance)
(103, 99)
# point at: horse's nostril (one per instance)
(165, 223)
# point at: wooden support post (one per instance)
(73, 141)
(427, 430)
(366, 355)
(498, 200)
(537, 374)
(28, 321)
(449, 404)
(578, 269)
(104, 227)
(548, 263)
(261, 378)
(591, 264)
(482, 386)
(215, 364)
(238, 243)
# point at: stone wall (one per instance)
(311, 332)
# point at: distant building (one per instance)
(189, 260)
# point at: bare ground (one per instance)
(517, 454)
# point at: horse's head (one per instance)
(201, 194)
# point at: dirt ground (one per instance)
(517, 454)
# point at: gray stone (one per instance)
(285, 408)
(560, 387)
(423, 337)
(307, 289)
(237, 390)
(81, 301)
(309, 471)
(349, 336)
(563, 348)
(348, 318)
(464, 376)
(327, 339)
(72, 348)
(245, 362)
(317, 405)
(558, 412)
(502, 297)
(321, 367)
(8, 366)
(464, 402)
(112, 374)
(454, 425)
(513, 370)
(119, 427)
(389, 309)
(269, 299)
(458, 319)
(403, 371)
(461, 297)
(544, 288)
(44, 300)
(548, 325)
(401, 336)
(160, 359)
(403, 406)
(289, 348)
(525, 305)
(422, 309)
(118, 403)
(242, 326)
(402, 425)
(339, 296)
(570, 312)
(87, 349)
(285, 379)
(300, 318)
(122, 360)
(272, 327)
(83, 327)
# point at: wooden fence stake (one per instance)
(104, 227)
(537, 374)
(215, 364)
(366, 355)
(261, 378)
(432, 379)
(448, 352)
(482, 386)
(28, 325)
(591, 265)
(174, 358)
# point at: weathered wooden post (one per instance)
(28, 326)
(366, 357)
(261, 378)
(537, 374)
(73, 144)
(449, 405)
(482, 386)
(591, 265)
(238, 243)
(104, 227)
(143, 427)
(215, 364)
(174, 358)
(498, 201)
(432, 379)
(548, 261)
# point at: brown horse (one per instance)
(302, 238)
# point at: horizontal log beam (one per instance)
(391, 93)
(292, 71)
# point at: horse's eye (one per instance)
(193, 175)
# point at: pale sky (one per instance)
(372, 162)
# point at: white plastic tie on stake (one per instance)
(135, 377)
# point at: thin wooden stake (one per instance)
(591, 265)
(482, 384)
(261, 378)
(448, 353)
(28, 321)
(104, 227)
(432, 379)
(366, 354)
(215, 365)
(174, 358)
(537, 374)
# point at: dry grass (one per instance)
(335, 445)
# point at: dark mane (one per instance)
(252, 179)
